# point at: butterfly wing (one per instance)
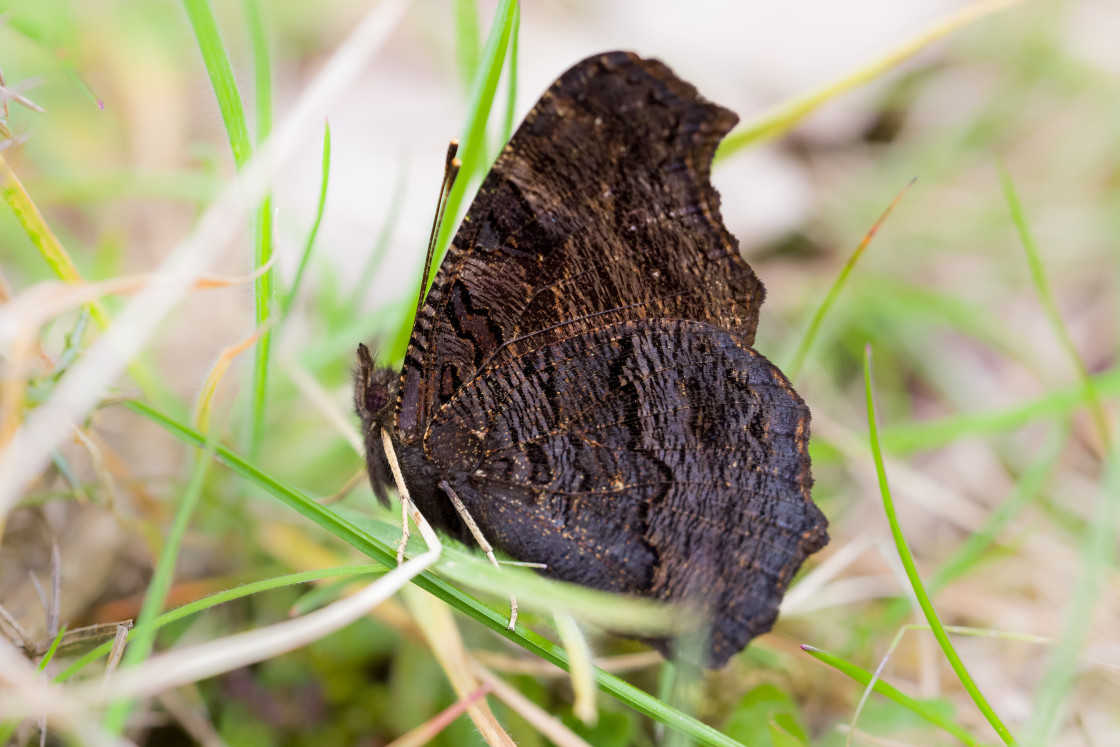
(600, 209)
(664, 458)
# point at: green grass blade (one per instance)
(51, 651)
(798, 360)
(912, 571)
(1050, 306)
(263, 286)
(907, 437)
(511, 79)
(1061, 672)
(1027, 489)
(221, 78)
(228, 95)
(468, 38)
(863, 677)
(472, 144)
(493, 619)
(784, 117)
(40, 234)
(262, 70)
(293, 292)
(213, 600)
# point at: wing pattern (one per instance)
(660, 457)
(599, 209)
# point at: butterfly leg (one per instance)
(406, 500)
(481, 540)
(403, 542)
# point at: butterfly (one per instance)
(581, 373)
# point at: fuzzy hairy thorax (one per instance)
(374, 394)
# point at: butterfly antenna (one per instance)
(450, 170)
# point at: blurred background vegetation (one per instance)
(995, 420)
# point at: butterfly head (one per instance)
(374, 392)
(373, 388)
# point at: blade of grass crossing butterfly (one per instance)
(472, 144)
(468, 605)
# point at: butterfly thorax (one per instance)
(375, 391)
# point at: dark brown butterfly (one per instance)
(581, 373)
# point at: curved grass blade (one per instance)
(222, 80)
(912, 571)
(794, 368)
(1028, 489)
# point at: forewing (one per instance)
(659, 457)
(599, 209)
